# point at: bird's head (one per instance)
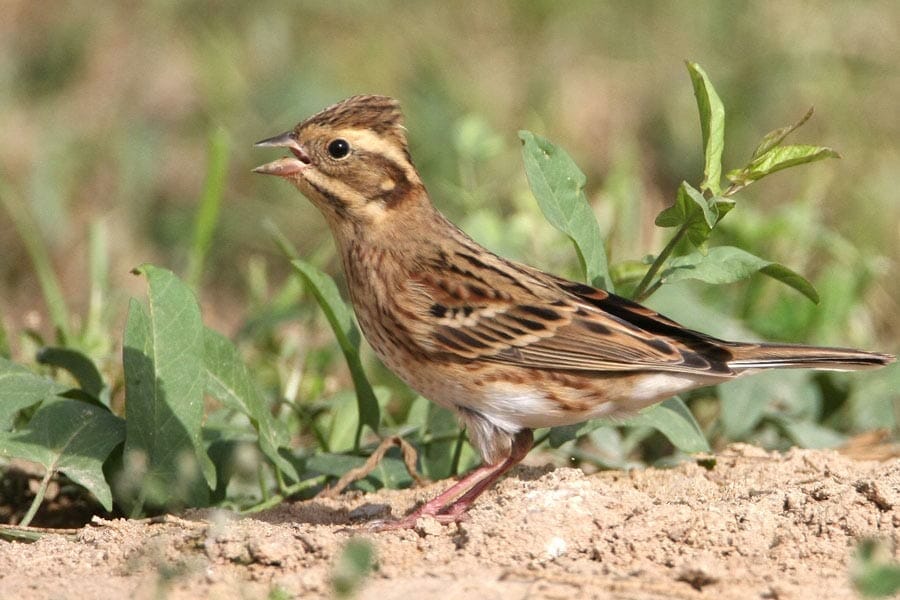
(351, 160)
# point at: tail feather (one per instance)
(749, 357)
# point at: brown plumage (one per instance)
(507, 347)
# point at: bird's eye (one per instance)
(338, 148)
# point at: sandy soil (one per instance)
(758, 525)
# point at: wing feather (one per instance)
(531, 319)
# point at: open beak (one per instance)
(289, 165)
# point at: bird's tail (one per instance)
(749, 357)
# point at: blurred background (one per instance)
(109, 113)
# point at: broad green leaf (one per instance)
(778, 158)
(774, 138)
(712, 126)
(742, 402)
(20, 388)
(689, 204)
(872, 399)
(79, 365)
(71, 437)
(790, 395)
(326, 294)
(807, 434)
(727, 264)
(565, 433)
(700, 214)
(558, 186)
(437, 456)
(229, 381)
(164, 385)
(673, 419)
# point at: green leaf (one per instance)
(727, 264)
(71, 437)
(558, 186)
(698, 213)
(782, 395)
(4, 342)
(807, 434)
(229, 381)
(164, 385)
(96, 334)
(743, 402)
(774, 138)
(79, 365)
(19, 389)
(341, 422)
(210, 202)
(566, 433)
(339, 317)
(712, 126)
(443, 429)
(40, 259)
(674, 420)
(356, 561)
(778, 158)
(689, 204)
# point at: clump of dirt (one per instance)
(757, 525)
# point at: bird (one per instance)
(507, 347)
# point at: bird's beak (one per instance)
(284, 167)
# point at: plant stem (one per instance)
(641, 292)
(38, 499)
(277, 499)
(541, 439)
(457, 452)
(25, 225)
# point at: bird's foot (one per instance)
(418, 520)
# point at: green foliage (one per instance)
(356, 561)
(712, 127)
(229, 381)
(80, 366)
(671, 417)
(164, 383)
(874, 574)
(210, 203)
(340, 318)
(70, 437)
(40, 259)
(558, 186)
(727, 264)
(20, 389)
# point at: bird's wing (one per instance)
(518, 315)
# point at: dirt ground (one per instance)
(757, 525)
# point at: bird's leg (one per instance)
(521, 445)
(447, 510)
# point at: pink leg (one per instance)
(520, 447)
(447, 510)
